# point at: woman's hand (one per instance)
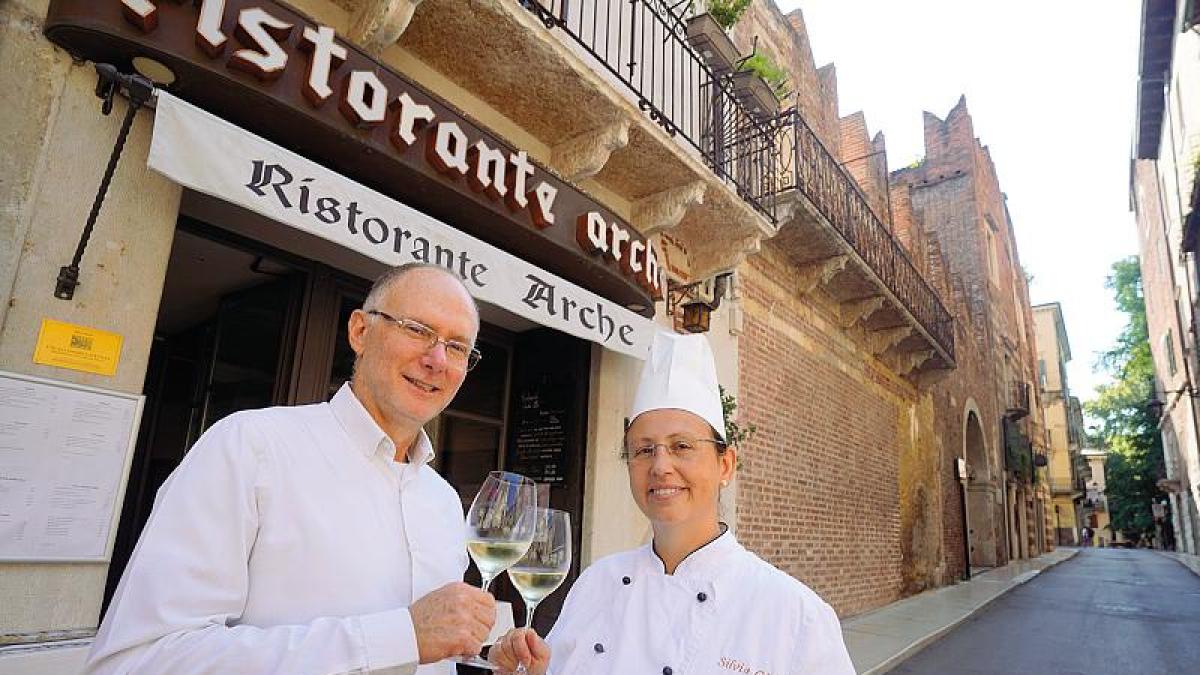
(521, 646)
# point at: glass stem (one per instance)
(529, 614)
(487, 581)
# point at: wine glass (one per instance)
(544, 566)
(500, 526)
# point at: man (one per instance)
(317, 539)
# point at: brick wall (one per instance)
(863, 159)
(818, 487)
(952, 206)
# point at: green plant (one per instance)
(727, 12)
(735, 434)
(760, 64)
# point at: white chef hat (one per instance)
(681, 373)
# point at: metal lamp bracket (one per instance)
(140, 91)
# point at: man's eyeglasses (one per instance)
(682, 449)
(459, 353)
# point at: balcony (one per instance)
(644, 46)
(611, 96)
(1018, 400)
(828, 228)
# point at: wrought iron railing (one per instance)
(1018, 400)
(807, 166)
(643, 44)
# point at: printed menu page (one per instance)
(63, 453)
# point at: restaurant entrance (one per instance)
(242, 325)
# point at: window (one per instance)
(1042, 373)
(1168, 345)
(993, 259)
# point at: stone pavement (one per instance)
(880, 640)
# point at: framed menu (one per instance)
(543, 421)
(65, 451)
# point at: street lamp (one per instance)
(1155, 407)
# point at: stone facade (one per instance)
(1165, 195)
(1064, 423)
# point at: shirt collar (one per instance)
(365, 433)
(703, 563)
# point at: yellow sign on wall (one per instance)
(66, 345)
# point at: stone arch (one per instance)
(975, 449)
(980, 490)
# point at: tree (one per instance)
(1127, 429)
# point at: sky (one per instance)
(1050, 86)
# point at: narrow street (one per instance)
(1103, 611)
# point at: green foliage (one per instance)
(775, 77)
(735, 434)
(728, 12)
(1127, 430)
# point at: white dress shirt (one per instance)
(724, 611)
(287, 541)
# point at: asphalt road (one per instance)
(1104, 611)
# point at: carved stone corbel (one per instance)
(858, 310)
(586, 154)
(820, 273)
(927, 378)
(906, 363)
(378, 24)
(663, 210)
(717, 256)
(744, 248)
(883, 340)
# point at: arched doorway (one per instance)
(981, 542)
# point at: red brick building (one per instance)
(852, 482)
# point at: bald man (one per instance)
(317, 539)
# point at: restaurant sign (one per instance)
(273, 71)
(210, 155)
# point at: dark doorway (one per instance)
(223, 342)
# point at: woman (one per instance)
(693, 600)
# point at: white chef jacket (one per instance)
(724, 611)
(287, 541)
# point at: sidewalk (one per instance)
(878, 641)
(1188, 560)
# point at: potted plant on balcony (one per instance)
(760, 84)
(707, 33)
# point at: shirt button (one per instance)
(667, 670)
(598, 647)
(702, 596)
(626, 580)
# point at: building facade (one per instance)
(1164, 198)
(875, 329)
(1093, 510)
(1065, 471)
(950, 205)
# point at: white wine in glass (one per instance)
(500, 526)
(493, 556)
(544, 566)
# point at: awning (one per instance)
(210, 155)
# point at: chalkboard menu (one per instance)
(543, 421)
